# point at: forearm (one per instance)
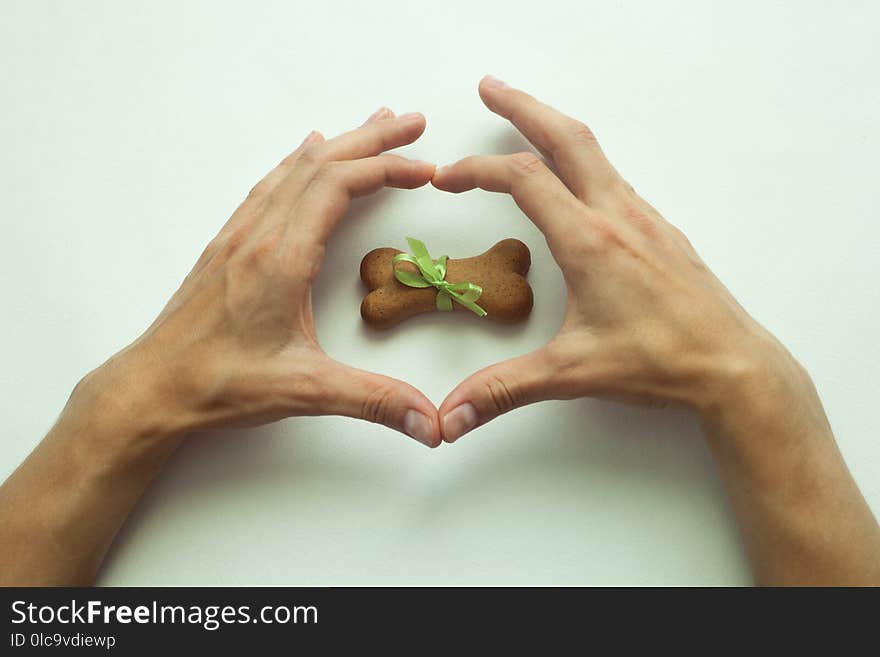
(802, 516)
(61, 509)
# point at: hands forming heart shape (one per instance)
(646, 320)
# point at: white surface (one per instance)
(130, 131)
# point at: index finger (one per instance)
(327, 199)
(568, 143)
(538, 193)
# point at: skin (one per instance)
(646, 322)
(235, 346)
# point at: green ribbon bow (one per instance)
(433, 273)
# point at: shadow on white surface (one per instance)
(528, 504)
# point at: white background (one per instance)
(130, 131)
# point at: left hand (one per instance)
(236, 344)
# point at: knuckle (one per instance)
(576, 258)
(311, 156)
(621, 191)
(605, 236)
(679, 234)
(640, 219)
(378, 405)
(211, 248)
(329, 173)
(581, 132)
(291, 158)
(259, 191)
(526, 163)
(301, 262)
(502, 393)
(264, 251)
(687, 247)
(384, 135)
(577, 246)
(231, 242)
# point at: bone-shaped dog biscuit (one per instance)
(500, 271)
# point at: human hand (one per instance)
(646, 320)
(236, 344)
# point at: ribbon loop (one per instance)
(433, 274)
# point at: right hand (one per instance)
(646, 320)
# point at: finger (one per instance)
(538, 193)
(246, 211)
(380, 399)
(498, 389)
(270, 181)
(379, 115)
(369, 140)
(568, 143)
(368, 175)
(372, 138)
(327, 198)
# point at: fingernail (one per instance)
(380, 113)
(409, 116)
(459, 421)
(418, 426)
(492, 81)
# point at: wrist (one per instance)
(111, 433)
(124, 398)
(756, 382)
(759, 401)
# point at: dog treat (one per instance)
(491, 284)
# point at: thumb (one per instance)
(380, 399)
(497, 389)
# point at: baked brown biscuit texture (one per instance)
(500, 271)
